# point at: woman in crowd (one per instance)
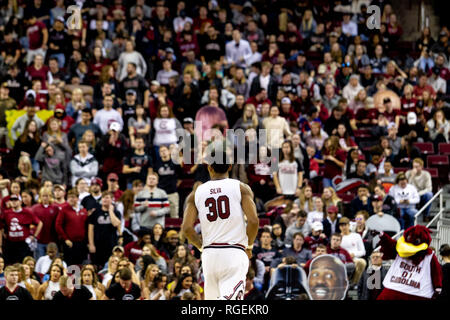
(318, 214)
(48, 289)
(305, 199)
(113, 262)
(55, 136)
(345, 141)
(183, 255)
(139, 125)
(25, 279)
(88, 279)
(288, 179)
(150, 274)
(164, 127)
(249, 119)
(157, 290)
(186, 283)
(330, 198)
(28, 143)
(334, 157)
(316, 136)
(76, 104)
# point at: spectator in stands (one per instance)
(83, 165)
(318, 214)
(251, 292)
(361, 202)
(305, 199)
(105, 117)
(371, 283)
(238, 50)
(71, 228)
(54, 166)
(406, 197)
(407, 153)
(421, 180)
(353, 243)
(301, 225)
(389, 206)
(298, 250)
(360, 172)
(103, 229)
(288, 179)
(12, 290)
(151, 204)
(316, 237)
(350, 91)
(335, 249)
(169, 179)
(439, 128)
(334, 157)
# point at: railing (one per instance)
(435, 218)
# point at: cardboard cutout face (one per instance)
(327, 278)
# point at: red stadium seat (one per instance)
(442, 165)
(264, 222)
(173, 222)
(425, 147)
(399, 169)
(435, 178)
(437, 161)
(444, 148)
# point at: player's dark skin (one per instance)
(248, 207)
(323, 281)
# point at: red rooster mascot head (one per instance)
(414, 244)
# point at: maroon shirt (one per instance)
(70, 224)
(41, 74)
(341, 254)
(331, 168)
(35, 35)
(47, 214)
(313, 242)
(17, 224)
(133, 251)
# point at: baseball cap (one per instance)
(59, 108)
(169, 50)
(333, 34)
(376, 197)
(354, 76)
(15, 197)
(5, 85)
(112, 176)
(97, 180)
(188, 120)
(171, 234)
(115, 126)
(386, 100)
(60, 18)
(155, 83)
(316, 226)
(120, 248)
(286, 100)
(411, 118)
(344, 220)
(333, 208)
(59, 186)
(130, 92)
(301, 53)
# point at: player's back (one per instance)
(222, 222)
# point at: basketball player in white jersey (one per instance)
(226, 242)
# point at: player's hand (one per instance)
(249, 253)
(279, 191)
(69, 243)
(92, 248)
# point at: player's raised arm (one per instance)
(190, 216)
(249, 208)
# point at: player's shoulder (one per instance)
(245, 188)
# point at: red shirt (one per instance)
(331, 168)
(313, 242)
(133, 251)
(47, 214)
(341, 254)
(408, 105)
(418, 91)
(17, 224)
(71, 225)
(35, 35)
(41, 74)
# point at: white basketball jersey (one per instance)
(220, 213)
(405, 277)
